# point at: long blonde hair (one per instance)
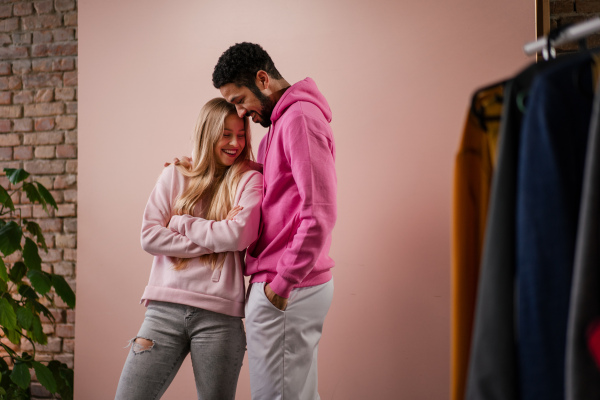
(211, 183)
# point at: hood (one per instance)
(305, 90)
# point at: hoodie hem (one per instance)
(311, 280)
(198, 300)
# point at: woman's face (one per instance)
(232, 141)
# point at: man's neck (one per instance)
(281, 86)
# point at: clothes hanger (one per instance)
(563, 34)
(549, 55)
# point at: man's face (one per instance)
(249, 102)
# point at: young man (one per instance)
(291, 284)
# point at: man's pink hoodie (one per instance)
(299, 194)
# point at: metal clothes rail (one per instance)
(571, 34)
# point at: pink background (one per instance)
(398, 76)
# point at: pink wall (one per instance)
(398, 76)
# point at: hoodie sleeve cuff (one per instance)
(176, 224)
(282, 287)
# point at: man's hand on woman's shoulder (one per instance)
(185, 161)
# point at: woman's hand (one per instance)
(234, 211)
(230, 216)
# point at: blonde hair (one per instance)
(211, 183)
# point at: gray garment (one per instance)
(217, 344)
(582, 374)
(283, 345)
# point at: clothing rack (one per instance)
(569, 34)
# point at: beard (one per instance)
(266, 107)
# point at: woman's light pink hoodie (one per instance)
(167, 236)
(299, 203)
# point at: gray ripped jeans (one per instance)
(217, 344)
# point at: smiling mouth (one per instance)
(230, 152)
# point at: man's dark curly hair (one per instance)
(240, 63)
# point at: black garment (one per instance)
(582, 374)
(493, 359)
(552, 151)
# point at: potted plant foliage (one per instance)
(25, 292)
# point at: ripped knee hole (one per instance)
(140, 345)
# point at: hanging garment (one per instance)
(582, 373)
(593, 340)
(472, 179)
(493, 360)
(551, 160)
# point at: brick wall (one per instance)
(564, 12)
(38, 132)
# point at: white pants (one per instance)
(282, 345)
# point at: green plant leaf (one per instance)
(27, 292)
(44, 376)
(26, 358)
(46, 196)
(24, 317)
(13, 392)
(41, 309)
(16, 175)
(3, 287)
(67, 374)
(32, 193)
(20, 375)
(63, 290)
(3, 365)
(3, 271)
(30, 255)
(5, 199)
(17, 272)
(10, 238)
(66, 392)
(36, 231)
(14, 336)
(37, 333)
(40, 281)
(11, 353)
(64, 378)
(8, 318)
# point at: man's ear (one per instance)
(262, 80)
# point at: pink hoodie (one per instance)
(165, 236)
(299, 201)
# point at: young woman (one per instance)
(199, 220)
